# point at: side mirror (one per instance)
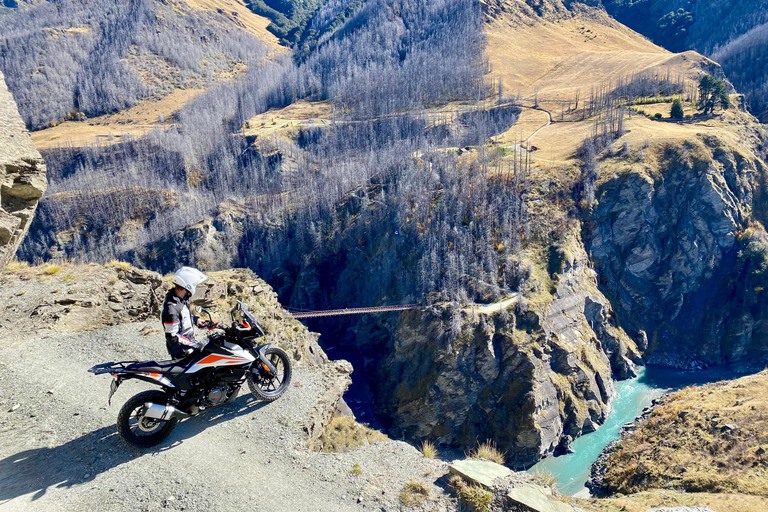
(204, 311)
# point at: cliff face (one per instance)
(22, 177)
(668, 244)
(526, 376)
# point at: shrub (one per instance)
(429, 450)
(356, 469)
(414, 493)
(657, 115)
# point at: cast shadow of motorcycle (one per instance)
(82, 459)
(201, 381)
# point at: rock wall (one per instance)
(666, 238)
(529, 377)
(22, 177)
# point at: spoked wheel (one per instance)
(137, 429)
(265, 384)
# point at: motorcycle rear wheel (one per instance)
(271, 387)
(138, 430)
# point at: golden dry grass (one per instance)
(472, 497)
(558, 58)
(711, 438)
(111, 128)
(553, 60)
(429, 450)
(414, 493)
(344, 433)
(240, 15)
(16, 265)
(51, 269)
(488, 451)
(299, 114)
(122, 265)
(643, 501)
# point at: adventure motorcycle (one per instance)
(199, 381)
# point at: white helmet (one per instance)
(188, 278)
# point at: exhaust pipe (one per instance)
(162, 412)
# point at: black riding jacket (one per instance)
(178, 323)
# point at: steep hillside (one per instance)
(74, 61)
(703, 439)
(732, 33)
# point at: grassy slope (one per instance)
(556, 58)
(711, 438)
(140, 119)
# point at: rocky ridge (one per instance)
(22, 177)
(667, 239)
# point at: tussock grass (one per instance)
(16, 265)
(343, 434)
(356, 469)
(51, 269)
(414, 493)
(488, 451)
(473, 497)
(429, 450)
(122, 265)
(546, 478)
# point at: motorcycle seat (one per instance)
(170, 366)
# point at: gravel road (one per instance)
(59, 449)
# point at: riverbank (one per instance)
(572, 471)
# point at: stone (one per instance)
(481, 472)
(22, 177)
(537, 499)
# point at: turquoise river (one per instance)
(572, 470)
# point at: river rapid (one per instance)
(572, 470)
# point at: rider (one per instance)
(177, 318)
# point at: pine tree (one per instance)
(677, 109)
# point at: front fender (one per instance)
(261, 350)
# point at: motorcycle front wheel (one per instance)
(264, 384)
(138, 430)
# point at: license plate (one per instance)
(112, 388)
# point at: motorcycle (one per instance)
(200, 381)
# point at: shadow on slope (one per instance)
(80, 460)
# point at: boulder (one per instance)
(480, 472)
(22, 177)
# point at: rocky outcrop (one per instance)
(667, 239)
(76, 298)
(22, 177)
(526, 376)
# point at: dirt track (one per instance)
(59, 449)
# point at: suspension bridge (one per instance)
(479, 308)
(352, 311)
